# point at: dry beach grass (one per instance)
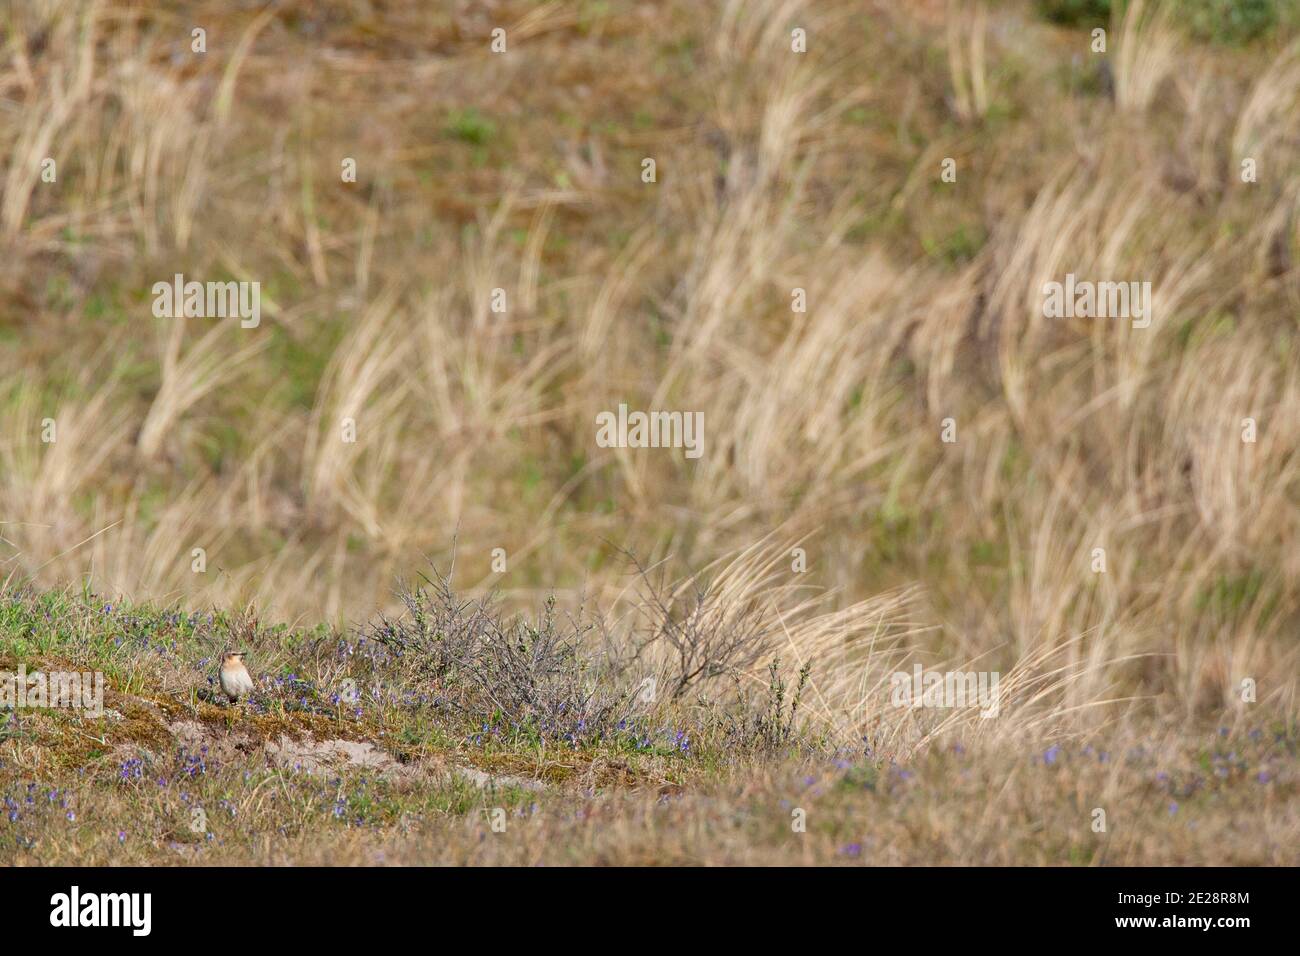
(776, 171)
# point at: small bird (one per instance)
(235, 679)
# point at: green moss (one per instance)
(1219, 21)
(470, 126)
(959, 246)
(1233, 594)
(1076, 13)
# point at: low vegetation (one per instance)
(455, 735)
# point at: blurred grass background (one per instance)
(776, 171)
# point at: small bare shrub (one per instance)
(708, 633)
(539, 676)
(439, 630)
